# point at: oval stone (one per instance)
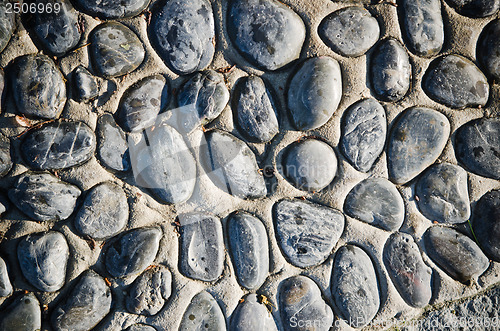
(364, 128)
(306, 232)
(184, 35)
(475, 8)
(488, 49)
(109, 9)
(23, 314)
(58, 145)
(5, 158)
(203, 313)
(314, 92)
(7, 24)
(4, 204)
(354, 286)
(417, 139)
(84, 84)
(140, 327)
(456, 82)
(249, 249)
(5, 285)
(486, 224)
(115, 50)
(251, 314)
(112, 146)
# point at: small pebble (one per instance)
(140, 327)
(84, 84)
(7, 24)
(4, 204)
(251, 314)
(5, 285)
(23, 314)
(112, 146)
(486, 224)
(488, 48)
(203, 313)
(5, 157)
(112, 9)
(475, 8)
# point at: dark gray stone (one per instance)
(488, 49)
(7, 24)
(390, 71)
(43, 258)
(203, 313)
(112, 146)
(310, 165)
(376, 201)
(314, 92)
(115, 50)
(58, 145)
(301, 305)
(307, 232)
(184, 35)
(201, 246)
(251, 314)
(475, 8)
(350, 31)
(486, 224)
(85, 85)
(44, 197)
(5, 285)
(38, 86)
(5, 158)
(249, 249)
(140, 327)
(354, 286)
(458, 255)
(109, 9)
(443, 195)
(133, 252)
(104, 213)
(85, 306)
(408, 272)
(456, 82)
(23, 314)
(417, 139)
(266, 32)
(364, 128)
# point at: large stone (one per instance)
(112, 146)
(7, 23)
(486, 224)
(106, 9)
(475, 8)
(5, 285)
(5, 157)
(252, 314)
(203, 313)
(23, 314)
(488, 49)
(84, 84)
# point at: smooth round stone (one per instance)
(112, 146)
(108, 9)
(488, 49)
(350, 31)
(249, 249)
(417, 139)
(390, 71)
(38, 86)
(251, 314)
(184, 35)
(7, 24)
(84, 84)
(475, 8)
(141, 103)
(364, 128)
(314, 92)
(5, 158)
(5, 285)
(486, 224)
(23, 314)
(115, 50)
(408, 272)
(254, 109)
(443, 195)
(456, 82)
(43, 258)
(58, 145)
(4, 204)
(201, 246)
(458, 255)
(104, 212)
(302, 306)
(423, 26)
(354, 286)
(376, 201)
(310, 165)
(266, 32)
(150, 291)
(477, 146)
(85, 306)
(140, 327)
(306, 232)
(203, 313)
(44, 197)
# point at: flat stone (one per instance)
(201, 246)
(488, 48)
(203, 313)
(486, 224)
(84, 84)
(417, 139)
(140, 327)
(38, 86)
(376, 201)
(423, 26)
(5, 285)
(267, 33)
(43, 258)
(7, 24)
(249, 249)
(115, 50)
(112, 146)
(104, 212)
(44, 197)
(390, 71)
(150, 291)
(364, 128)
(354, 286)
(302, 306)
(251, 314)
(350, 31)
(456, 82)
(475, 8)
(314, 92)
(23, 314)
(109, 9)
(307, 232)
(408, 272)
(184, 35)
(458, 255)
(85, 306)
(133, 252)
(58, 145)
(310, 165)
(443, 195)
(5, 158)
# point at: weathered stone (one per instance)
(364, 128)
(5, 285)
(307, 232)
(376, 201)
(486, 224)
(112, 146)
(23, 314)
(488, 49)
(85, 85)
(7, 23)
(251, 314)
(417, 139)
(112, 9)
(475, 8)
(315, 92)
(140, 327)
(5, 158)
(203, 313)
